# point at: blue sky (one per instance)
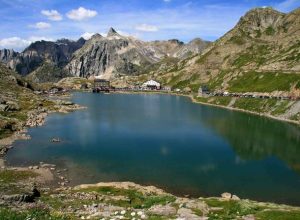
(24, 21)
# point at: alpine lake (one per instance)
(169, 142)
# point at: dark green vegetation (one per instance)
(8, 176)
(31, 213)
(258, 105)
(48, 72)
(12, 181)
(232, 209)
(264, 82)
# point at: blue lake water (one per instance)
(172, 143)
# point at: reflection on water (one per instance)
(254, 139)
(172, 143)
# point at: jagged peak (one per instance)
(95, 36)
(259, 19)
(112, 32)
(262, 11)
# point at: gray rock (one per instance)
(188, 214)
(12, 106)
(4, 108)
(236, 198)
(26, 197)
(162, 210)
(226, 195)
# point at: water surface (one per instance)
(172, 143)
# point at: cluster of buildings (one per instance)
(102, 85)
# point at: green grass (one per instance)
(253, 54)
(258, 34)
(264, 82)
(255, 105)
(239, 40)
(231, 209)
(38, 214)
(135, 199)
(281, 107)
(181, 84)
(218, 80)
(222, 100)
(278, 215)
(10, 176)
(270, 31)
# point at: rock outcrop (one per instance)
(45, 57)
(7, 55)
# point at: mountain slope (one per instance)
(264, 41)
(43, 57)
(116, 55)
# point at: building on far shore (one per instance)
(152, 85)
(203, 91)
(101, 85)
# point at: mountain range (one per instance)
(108, 56)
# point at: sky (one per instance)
(26, 21)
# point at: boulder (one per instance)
(185, 213)
(226, 195)
(162, 210)
(4, 108)
(12, 106)
(236, 198)
(26, 197)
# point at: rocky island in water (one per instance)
(113, 127)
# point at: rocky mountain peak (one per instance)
(112, 32)
(96, 36)
(260, 19)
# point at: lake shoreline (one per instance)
(22, 134)
(194, 100)
(36, 118)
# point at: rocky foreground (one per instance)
(26, 194)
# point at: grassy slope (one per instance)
(15, 89)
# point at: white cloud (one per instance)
(52, 15)
(18, 44)
(87, 35)
(167, 0)
(146, 28)
(14, 43)
(41, 25)
(81, 14)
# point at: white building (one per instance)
(151, 84)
